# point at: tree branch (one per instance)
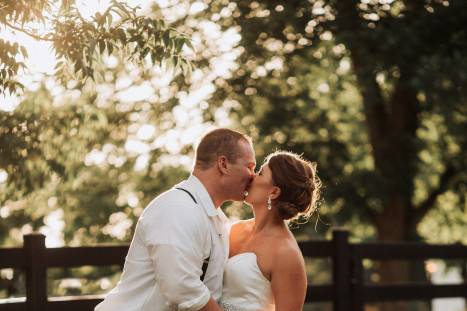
(37, 37)
(422, 209)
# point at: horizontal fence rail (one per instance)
(347, 292)
(403, 251)
(412, 291)
(12, 258)
(409, 250)
(85, 256)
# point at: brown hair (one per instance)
(219, 142)
(299, 184)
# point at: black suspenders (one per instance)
(189, 193)
(206, 260)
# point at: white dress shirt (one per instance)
(164, 262)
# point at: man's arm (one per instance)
(175, 236)
(211, 306)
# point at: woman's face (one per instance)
(261, 187)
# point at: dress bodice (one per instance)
(245, 287)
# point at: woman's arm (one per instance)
(289, 280)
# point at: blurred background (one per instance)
(374, 91)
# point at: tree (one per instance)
(66, 157)
(314, 75)
(368, 90)
(78, 43)
(71, 176)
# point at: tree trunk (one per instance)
(392, 133)
(391, 126)
(396, 163)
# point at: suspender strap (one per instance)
(205, 267)
(206, 260)
(189, 193)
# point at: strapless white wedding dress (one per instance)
(245, 287)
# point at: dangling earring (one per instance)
(269, 203)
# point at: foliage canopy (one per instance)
(78, 43)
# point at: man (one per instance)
(183, 232)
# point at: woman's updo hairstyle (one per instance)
(299, 184)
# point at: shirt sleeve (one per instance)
(175, 241)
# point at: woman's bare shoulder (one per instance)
(287, 254)
(242, 224)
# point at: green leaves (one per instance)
(152, 38)
(81, 43)
(9, 66)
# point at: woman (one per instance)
(266, 270)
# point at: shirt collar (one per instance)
(196, 187)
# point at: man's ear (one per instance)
(276, 192)
(222, 164)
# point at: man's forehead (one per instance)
(247, 149)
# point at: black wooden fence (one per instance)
(348, 290)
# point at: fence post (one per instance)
(341, 270)
(358, 303)
(36, 275)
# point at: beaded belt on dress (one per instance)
(229, 307)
